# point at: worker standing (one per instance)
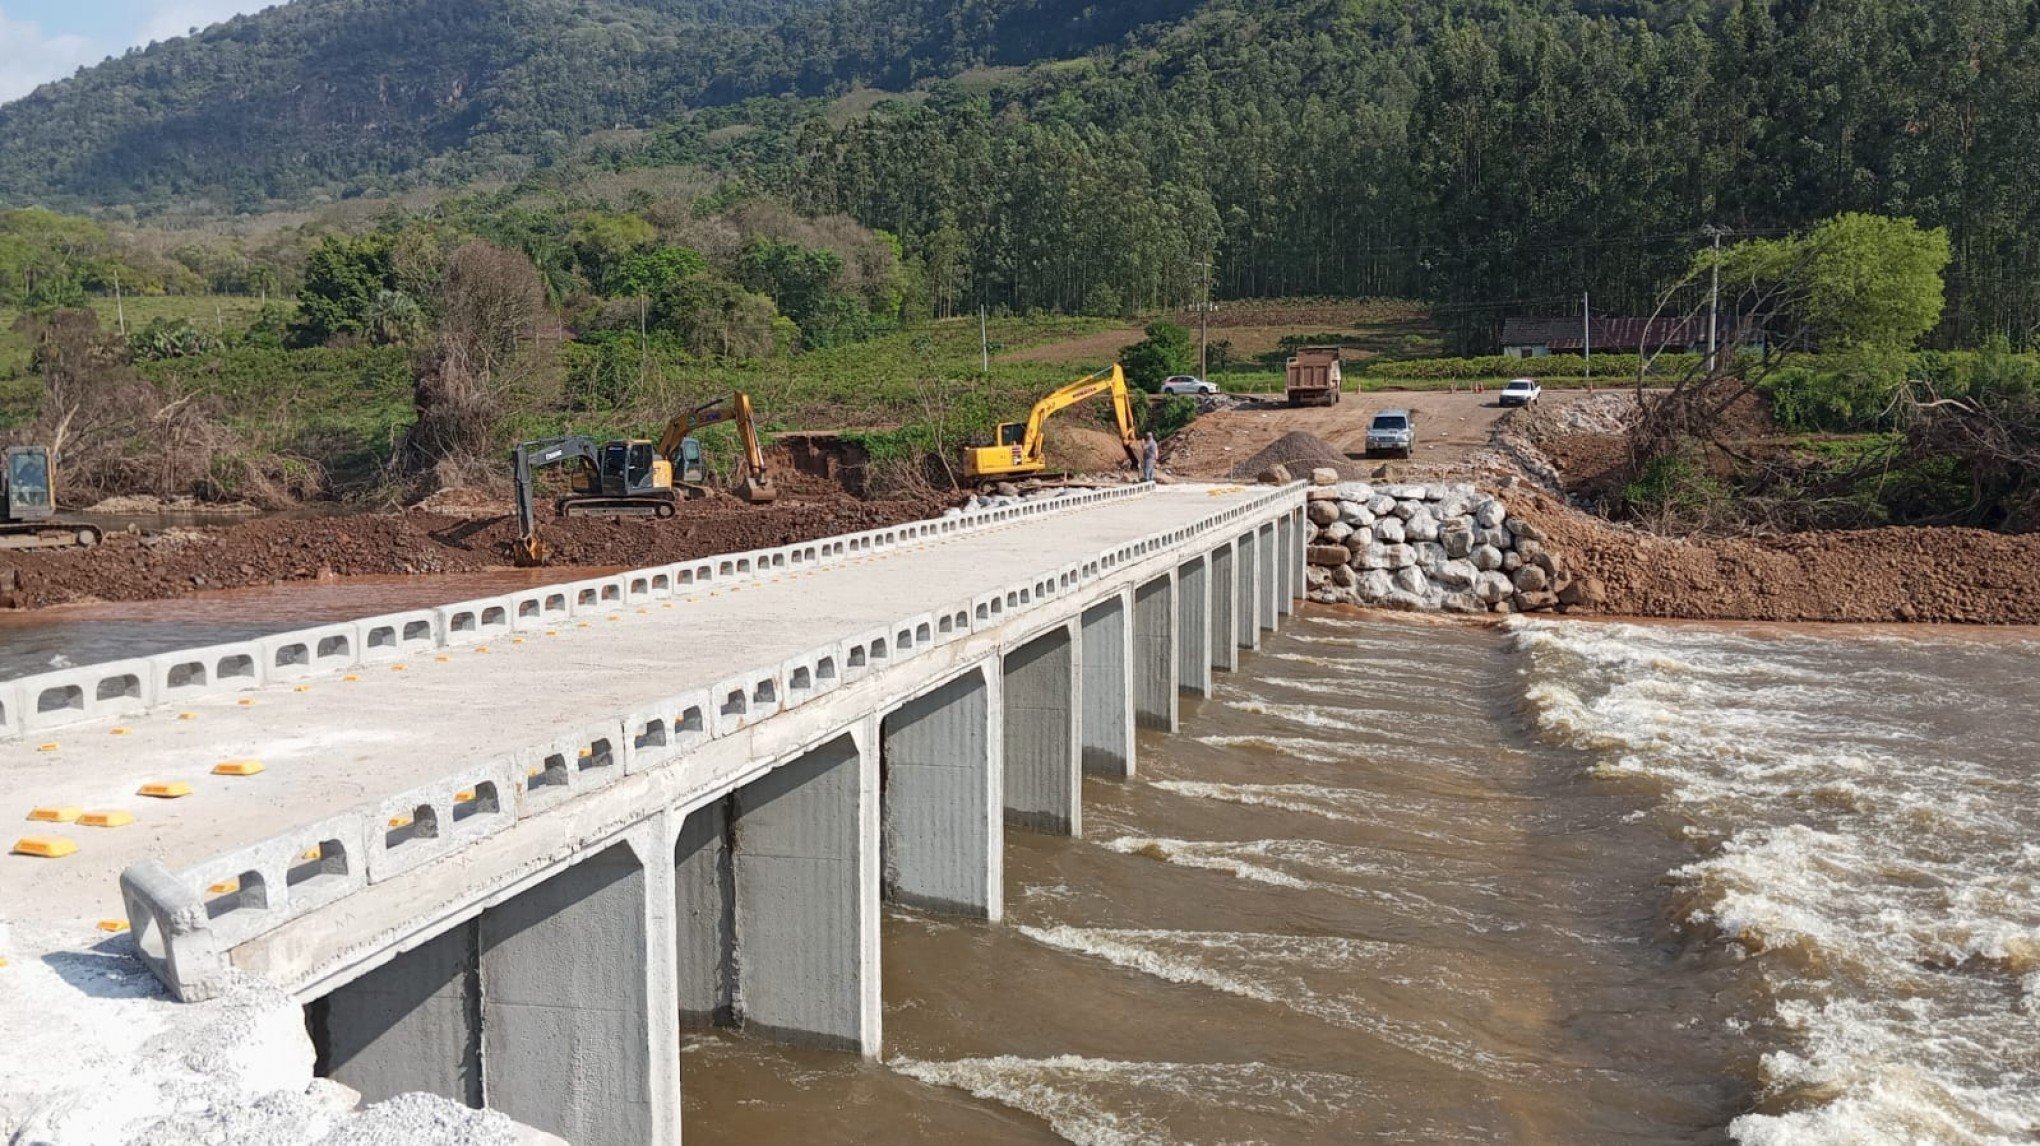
(1149, 452)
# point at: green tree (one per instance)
(604, 243)
(1166, 350)
(650, 273)
(344, 275)
(797, 278)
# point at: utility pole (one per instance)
(1714, 301)
(1587, 330)
(984, 344)
(119, 306)
(1204, 326)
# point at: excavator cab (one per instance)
(630, 468)
(28, 486)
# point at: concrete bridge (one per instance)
(504, 850)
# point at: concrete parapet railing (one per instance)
(188, 919)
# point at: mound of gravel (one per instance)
(1302, 452)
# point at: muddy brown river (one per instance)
(1555, 882)
(1567, 883)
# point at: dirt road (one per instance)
(1450, 427)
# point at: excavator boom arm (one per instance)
(525, 461)
(1113, 381)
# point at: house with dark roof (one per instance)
(1537, 337)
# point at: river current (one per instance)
(1554, 882)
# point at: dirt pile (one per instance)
(134, 567)
(1962, 576)
(1302, 452)
(1080, 450)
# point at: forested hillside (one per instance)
(1490, 156)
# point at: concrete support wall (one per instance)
(1268, 580)
(1299, 544)
(1288, 562)
(1225, 596)
(1193, 625)
(704, 913)
(1108, 688)
(805, 873)
(566, 1008)
(943, 796)
(1250, 596)
(410, 1024)
(1154, 654)
(1044, 757)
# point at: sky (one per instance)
(42, 40)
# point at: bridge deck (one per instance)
(338, 743)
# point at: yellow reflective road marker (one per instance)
(187, 716)
(165, 791)
(51, 746)
(44, 847)
(246, 702)
(114, 926)
(113, 818)
(237, 767)
(58, 814)
(120, 731)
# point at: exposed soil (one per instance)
(133, 567)
(1299, 452)
(1080, 449)
(1963, 576)
(1451, 429)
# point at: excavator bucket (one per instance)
(758, 490)
(528, 551)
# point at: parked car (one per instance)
(1185, 384)
(1520, 392)
(1392, 432)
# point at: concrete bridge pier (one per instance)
(1299, 542)
(1225, 595)
(1289, 562)
(1250, 595)
(776, 898)
(1154, 654)
(551, 1005)
(570, 1026)
(942, 794)
(1193, 624)
(1108, 688)
(1043, 740)
(1269, 579)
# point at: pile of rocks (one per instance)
(1443, 547)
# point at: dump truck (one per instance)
(1313, 376)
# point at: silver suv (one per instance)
(1391, 432)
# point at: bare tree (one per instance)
(493, 334)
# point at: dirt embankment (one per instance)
(135, 567)
(1961, 576)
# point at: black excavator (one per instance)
(635, 476)
(28, 505)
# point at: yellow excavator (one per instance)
(1020, 449)
(634, 476)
